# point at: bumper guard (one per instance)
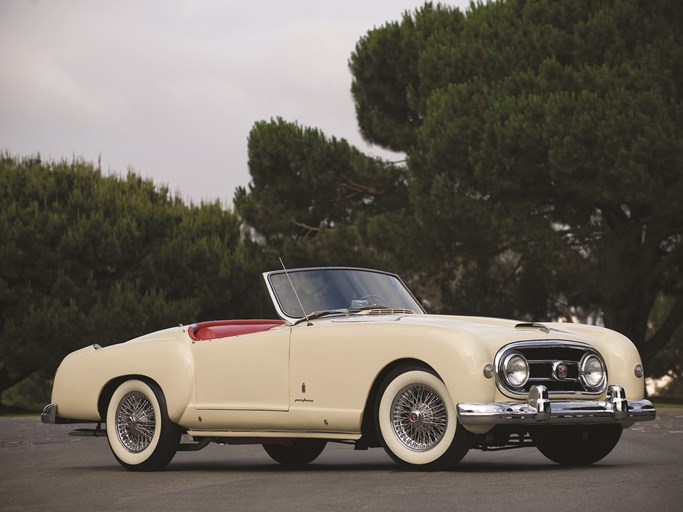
(538, 409)
(49, 415)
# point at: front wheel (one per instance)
(140, 434)
(417, 422)
(576, 445)
(297, 452)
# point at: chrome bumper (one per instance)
(539, 410)
(49, 414)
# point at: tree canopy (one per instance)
(309, 192)
(94, 259)
(544, 168)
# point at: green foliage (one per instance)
(547, 161)
(669, 360)
(389, 74)
(88, 259)
(30, 395)
(544, 163)
(306, 187)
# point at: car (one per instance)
(354, 358)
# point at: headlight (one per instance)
(515, 369)
(591, 372)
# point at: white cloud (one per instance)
(172, 88)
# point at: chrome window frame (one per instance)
(293, 319)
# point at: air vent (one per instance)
(386, 311)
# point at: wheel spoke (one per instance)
(419, 417)
(135, 422)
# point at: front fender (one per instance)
(83, 375)
(620, 354)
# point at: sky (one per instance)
(170, 89)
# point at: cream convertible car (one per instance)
(355, 359)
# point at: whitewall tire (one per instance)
(417, 422)
(140, 435)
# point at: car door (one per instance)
(333, 365)
(247, 372)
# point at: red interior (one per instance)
(226, 328)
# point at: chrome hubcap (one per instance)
(135, 422)
(419, 417)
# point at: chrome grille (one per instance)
(543, 357)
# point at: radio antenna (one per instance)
(308, 322)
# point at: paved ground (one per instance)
(41, 468)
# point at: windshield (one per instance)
(327, 289)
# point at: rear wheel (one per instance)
(140, 434)
(296, 452)
(417, 423)
(577, 445)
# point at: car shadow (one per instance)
(233, 466)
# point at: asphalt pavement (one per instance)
(44, 469)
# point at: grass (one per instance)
(666, 405)
(17, 411)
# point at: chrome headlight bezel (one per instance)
(514, 368)
(592, 372)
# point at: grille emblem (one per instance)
(559, 370)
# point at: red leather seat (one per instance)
(226, 328)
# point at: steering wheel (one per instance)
(374, 300)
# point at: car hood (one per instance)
(493, 333)
(496, 332)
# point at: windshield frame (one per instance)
(291, 318)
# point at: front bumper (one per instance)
(539, 410)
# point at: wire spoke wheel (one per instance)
(416, 420)
(135, 422)
(141, 435)
(419, 417)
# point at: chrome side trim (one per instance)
(539, 410)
